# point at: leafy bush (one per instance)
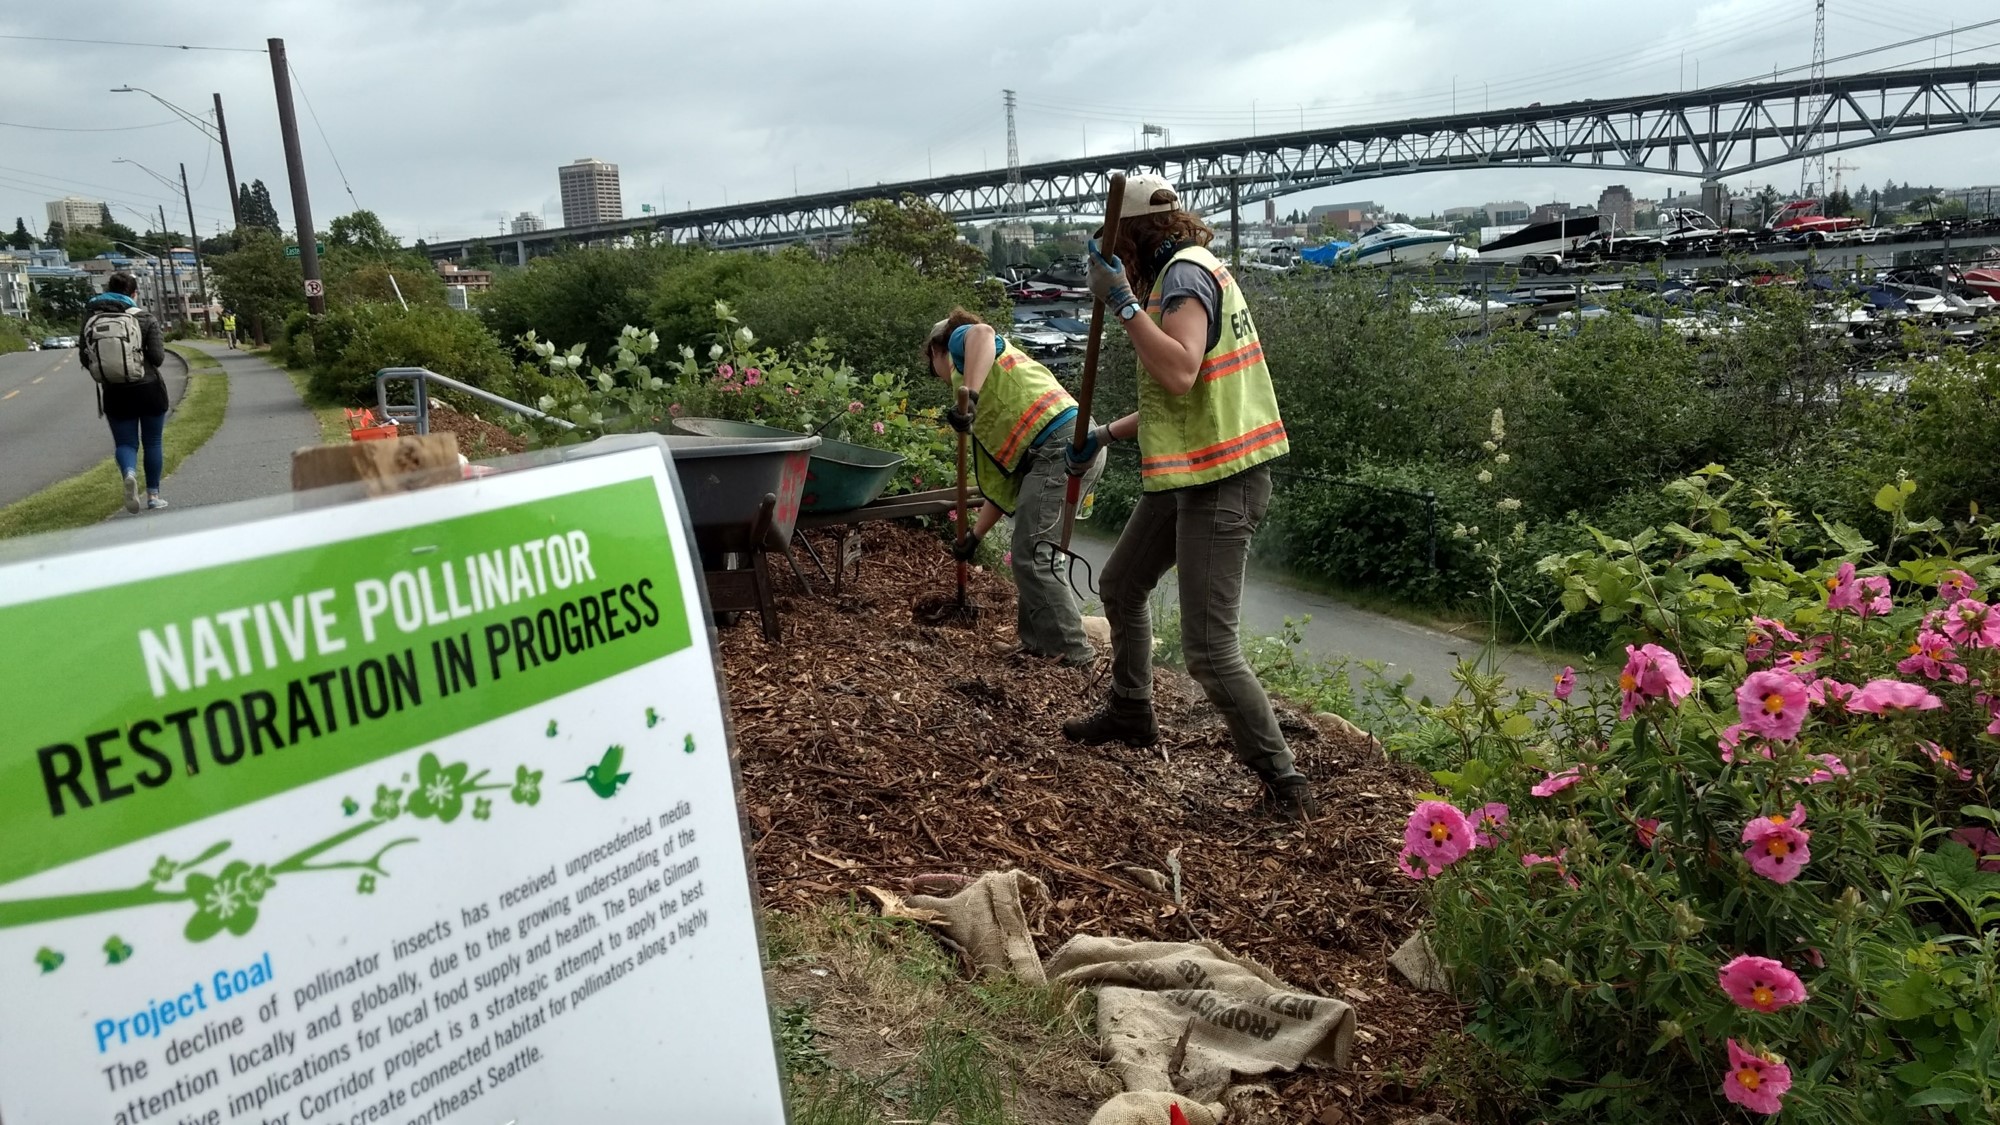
(802, 389)
(1747, 873)
(346, 347)
(12, 338)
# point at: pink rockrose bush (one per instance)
(1756, 1081)
(1761, 984)
(1763, 877)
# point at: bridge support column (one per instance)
(1714, 201)
(520, 251)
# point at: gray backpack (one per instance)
(115, 342)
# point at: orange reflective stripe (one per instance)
(1229, 363)
(1220, 453)
(1006, 362)
(1024, 427)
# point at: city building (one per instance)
(1550, 212)
(75, 212)
(471, 280)
(1016, 234)
(14, 285)
(1460, 214)
(1505, 213)
(590, 192)
(1617, 206)
(527, 222)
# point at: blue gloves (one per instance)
(1078, 461)
(1107, 280)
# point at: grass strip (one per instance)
(92, 495)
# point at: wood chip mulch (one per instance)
(875, 749)
(477, 438)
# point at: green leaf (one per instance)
(1518, 726)
(1890, 498)
(1940, 1095)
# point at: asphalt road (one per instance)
(1342, 631)
(49, 428)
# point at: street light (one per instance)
(219, 133)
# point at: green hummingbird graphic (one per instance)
(349, 805)
(116, 950)
(48, 959)
(552, 728)
(688, 744)
(652, 717)
(602, 776)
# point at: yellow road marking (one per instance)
(36, 379)
(10, 394)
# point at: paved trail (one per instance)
(251, 455)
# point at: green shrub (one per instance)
(12, 336)
(1636, 859)
(348, 346)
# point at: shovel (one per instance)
(1088, 391)
(964, 515)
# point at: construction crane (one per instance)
(1837, 167)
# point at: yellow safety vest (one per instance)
(1017, 402)
(1228, 421)
(229, 324)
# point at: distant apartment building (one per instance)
(14, 285)
(75, 212)
(1504, 213)
(473, 281)
(1550, 212)
(1460, 214)
(1617, 206)
(527, 222)
(590, 192)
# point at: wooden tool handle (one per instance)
(1087, 393)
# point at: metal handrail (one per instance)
(420, 412)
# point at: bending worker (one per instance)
(1021, 422)
(1207, 424)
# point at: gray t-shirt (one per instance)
(1189, 279)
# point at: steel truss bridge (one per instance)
(1703, 134)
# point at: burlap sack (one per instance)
(1237, 1017)
(1149, 1107)
(989, 919)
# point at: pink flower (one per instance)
(1865, 596)
(1772, 704)
(674, 409)
(1755, 1082)
(1651, 672)
(1778, 849)
(1884, 697)
(1832, 767)
(1532, 861)
(1945, 758)
(878, 427)
(1955, 584)
(752, 378)
(1761, 984)
(1733, 735)
(1648, 830)
(1971, 623)
(1403, 865)
(854, 408)
(952, 515)
(1489, 825)
(1438, 834)
(1827, 690)
(1556, 782)
(1763, 636)
(791, 390)
(1800, 655)
(725, 372)
(1932, 657)
(1006, 557)
(1565, 682)
(1984, 842)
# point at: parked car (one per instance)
(52, 342)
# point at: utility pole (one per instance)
(295, 167)
(194, 238)
(174, 267)
(228, 169)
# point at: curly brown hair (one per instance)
(940, 339)
(1141, 239)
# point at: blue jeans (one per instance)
(127, 434)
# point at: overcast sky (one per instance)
(446, 116)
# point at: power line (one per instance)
(118, 43)
(82, 129)
(293, 70)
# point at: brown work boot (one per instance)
(1289, 800)
(1129, 721)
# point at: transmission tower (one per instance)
(1015, 204)
(1812, 173)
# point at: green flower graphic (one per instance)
(366, 886)
(163, 869)
(481, 808)
(440, 790)
(227, 901)
(388, 802)
(116, 951)
(527, 786)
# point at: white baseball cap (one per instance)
(1139, 192)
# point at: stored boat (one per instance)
(1402, 244)
(1559, 239)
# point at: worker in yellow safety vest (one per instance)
(229, 327)
(1207, 426)
(1021, 422)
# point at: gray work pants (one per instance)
(1205, 530)
(1046, 613)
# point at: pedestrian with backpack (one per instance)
(122, 348)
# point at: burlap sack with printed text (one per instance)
(989, 919)
(1238, 1018)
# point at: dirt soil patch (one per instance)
(876, 749)
(477, 438)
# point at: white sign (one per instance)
(315, 287)
(404, 811)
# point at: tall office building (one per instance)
(527, 222)
(75, 213)
(590, 193)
